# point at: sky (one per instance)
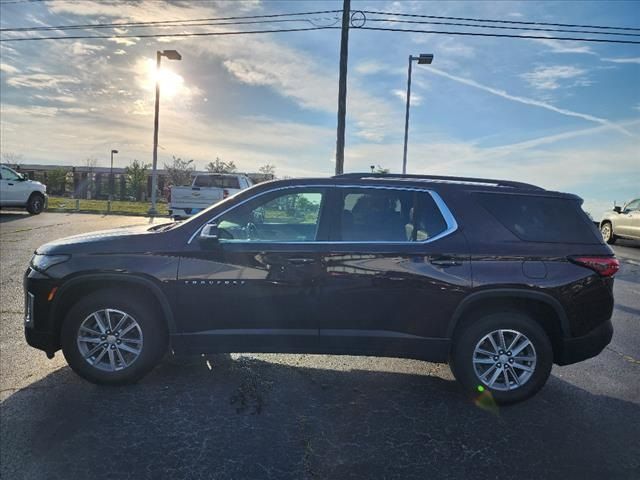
(563, 115)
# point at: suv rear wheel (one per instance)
(111, 338)
(506, 354)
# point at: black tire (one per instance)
(153, 328)
(35, 204)
(472, 332)
(606, 229)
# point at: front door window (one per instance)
(283, 217)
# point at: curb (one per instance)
(104, 212)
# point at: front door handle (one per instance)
(446, 262)
(301, 261)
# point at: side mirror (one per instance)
(617, 209)
(209, 235)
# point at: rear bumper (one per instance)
(580, 348)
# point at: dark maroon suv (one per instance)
(500, 279)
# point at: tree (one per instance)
(268, 170)
(12, 158)
(179, 171)
(56, 181)
(220, 166)
(136, 174)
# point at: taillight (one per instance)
(604, 266)
(225, 193)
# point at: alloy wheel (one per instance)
(606, 232)
(110, 340)
(504, 359)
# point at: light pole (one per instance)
(423, 59)
(111, 181)
(171, 55)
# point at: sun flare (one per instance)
(170, 82)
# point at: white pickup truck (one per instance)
(16, 190)
(205, 190)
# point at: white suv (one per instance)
(17, 190)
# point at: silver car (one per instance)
(622, 222)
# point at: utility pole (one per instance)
(422, 59)
(342, 86)
(111, 181)
(171, 55)
(156, 121)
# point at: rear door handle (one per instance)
(301, 261)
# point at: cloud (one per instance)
(623, 60)
(451, 47)
(57, 98)
(81, 48)
(529, 101)
(402, 95)
(550, 78)
(124, 41)
(120, 52)
(565, 46)
(293, 147)
(371, 67)
(5, 67)
(298, 76)
(41, 80)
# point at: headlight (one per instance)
(42, 262)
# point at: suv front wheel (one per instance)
(506, 354)
(111, 337)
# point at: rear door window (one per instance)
(387, 215)
(541, 219)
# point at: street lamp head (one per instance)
(114, 151)
(425, 58)
(172, 55)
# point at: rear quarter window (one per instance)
(541, 219)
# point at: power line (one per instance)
(186, 34)
(503, 35)
(387, 29)
(209, 24)
(592, 32)
(519, 22)
(162, 22)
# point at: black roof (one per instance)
(441, 179)
(435, 182)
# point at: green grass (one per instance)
(100, 206)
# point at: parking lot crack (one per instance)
(624, 356)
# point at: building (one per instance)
(94, 182)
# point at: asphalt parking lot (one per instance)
(304, 416)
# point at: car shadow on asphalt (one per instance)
(218, 416)
(9, 216)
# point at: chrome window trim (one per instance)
(449, 219)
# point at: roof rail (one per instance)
(441, 178)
